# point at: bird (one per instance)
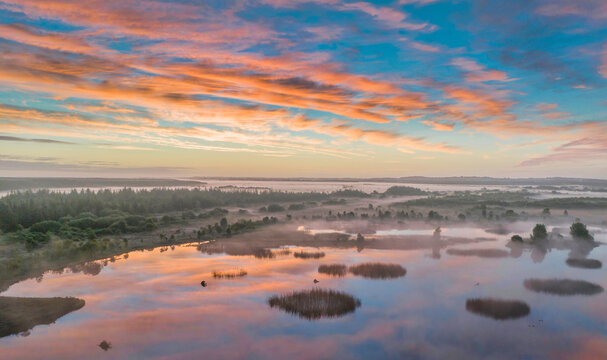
(203, 283)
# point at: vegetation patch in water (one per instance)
(485, 253)
(309, 255)
(20, 314)
(498, 309)
(378, 270)
(563, 286)
(585, 263)
(229, 274)
(333, 269)
(316, 303)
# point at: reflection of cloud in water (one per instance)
(498, 309)
(563, 286)
(484, 253)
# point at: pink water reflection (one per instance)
(151, 305)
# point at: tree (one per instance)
(580, 231)
(539, 232)
(546, 212)
(461, 217)
(516, 238)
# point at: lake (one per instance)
(151, 305)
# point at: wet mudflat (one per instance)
(484, 300)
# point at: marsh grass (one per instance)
(262, 253)
(585, 263)
(229, 274)
(498, 309)
(563, 286)
(282, 252)
(309, 255)
(378, 270)
(485, 253)
(333, 269)
(316, 303)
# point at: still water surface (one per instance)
(151, 305)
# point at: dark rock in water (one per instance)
(563, 286)
(498, 309)
(105, 345)
(315, 281)
(20, 314)
(585, 263)
(203, 283)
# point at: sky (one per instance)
(316, 88)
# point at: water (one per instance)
(151, 305)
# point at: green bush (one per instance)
(275, 208)
(539, 232)
(580, 231)
(46, 226)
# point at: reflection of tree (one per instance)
(436, 243)
(540, 247)
(90, 268)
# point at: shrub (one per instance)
(275, 208)
(580, 231)
(539, 232)
(46, 226)
(294, 207)
(516, 238)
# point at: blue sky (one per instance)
(303, 88)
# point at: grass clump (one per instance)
(498, 309)
(316, 303)
(585, 263)
(309, 255)
(378, 270)
(229, 274)
(563, 286)
(333, 269)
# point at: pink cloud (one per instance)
(592, 9)
(390, 17)
(477, 72)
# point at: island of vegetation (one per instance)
(316, 303)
